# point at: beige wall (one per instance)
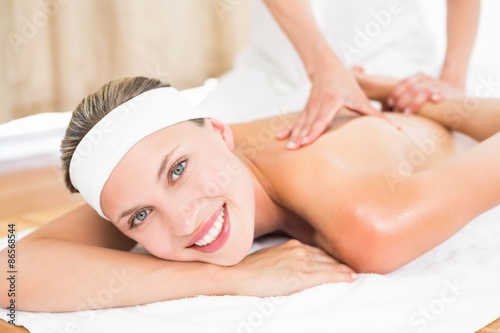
(54, 52)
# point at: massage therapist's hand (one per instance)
(286, 269)
(333, 87)
(411, 93)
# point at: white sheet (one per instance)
(453, 288)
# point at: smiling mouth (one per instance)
(215, 231)
(219, 228)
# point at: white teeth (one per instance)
(208, 238)
(214, 232)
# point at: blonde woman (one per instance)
(195, 192)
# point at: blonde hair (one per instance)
(97, 105)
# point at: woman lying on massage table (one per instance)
(197, 193)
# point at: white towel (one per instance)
(453, 288)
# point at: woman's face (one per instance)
(183, 195)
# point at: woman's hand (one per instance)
(333, 87)
(411, 93)
(286, 269)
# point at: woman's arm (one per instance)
(475, 117)
(419, 211)
(427, 207)
(79, 261)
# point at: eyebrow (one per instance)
(126, 213)
(161, 170)
(163, 164)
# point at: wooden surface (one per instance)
(32, 197)
(8, 328)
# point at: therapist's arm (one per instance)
(461, 26)
(333, 86)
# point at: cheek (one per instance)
(232, 176)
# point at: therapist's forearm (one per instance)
(296, 20)
(462, 22)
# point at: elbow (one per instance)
(379, 259)
(373, 256)
(377, 247)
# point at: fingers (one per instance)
(363, 109)
(285, 133)
(319, 273)
(410, 94)
(318, 122)
(404, 93)
(331, 90)
(311, 123)
(330, 273)
(419, 99)
(286, 269)
(319, 266)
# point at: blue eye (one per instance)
(177, 170)
(138, 218)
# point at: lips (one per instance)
(214, 234)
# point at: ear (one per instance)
(224, 131)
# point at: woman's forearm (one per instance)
(56, 276)
(478, 118)
(80, 261)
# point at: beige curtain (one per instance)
(54, 52)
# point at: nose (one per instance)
(186, 219)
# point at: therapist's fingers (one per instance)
(410, 94)
(294, 140)
(418, 100)
(416, 90)
(308, 117)
(314, 127)
(293, 128)
(291, 132)
(412, 100)
(300, 127)
(285, 133)
(402, 87)
(402, 92)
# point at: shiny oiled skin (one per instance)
(338, 186)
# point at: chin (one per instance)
(231, 261)
(228, 262)
(235, 254)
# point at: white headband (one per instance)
(109, 140)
